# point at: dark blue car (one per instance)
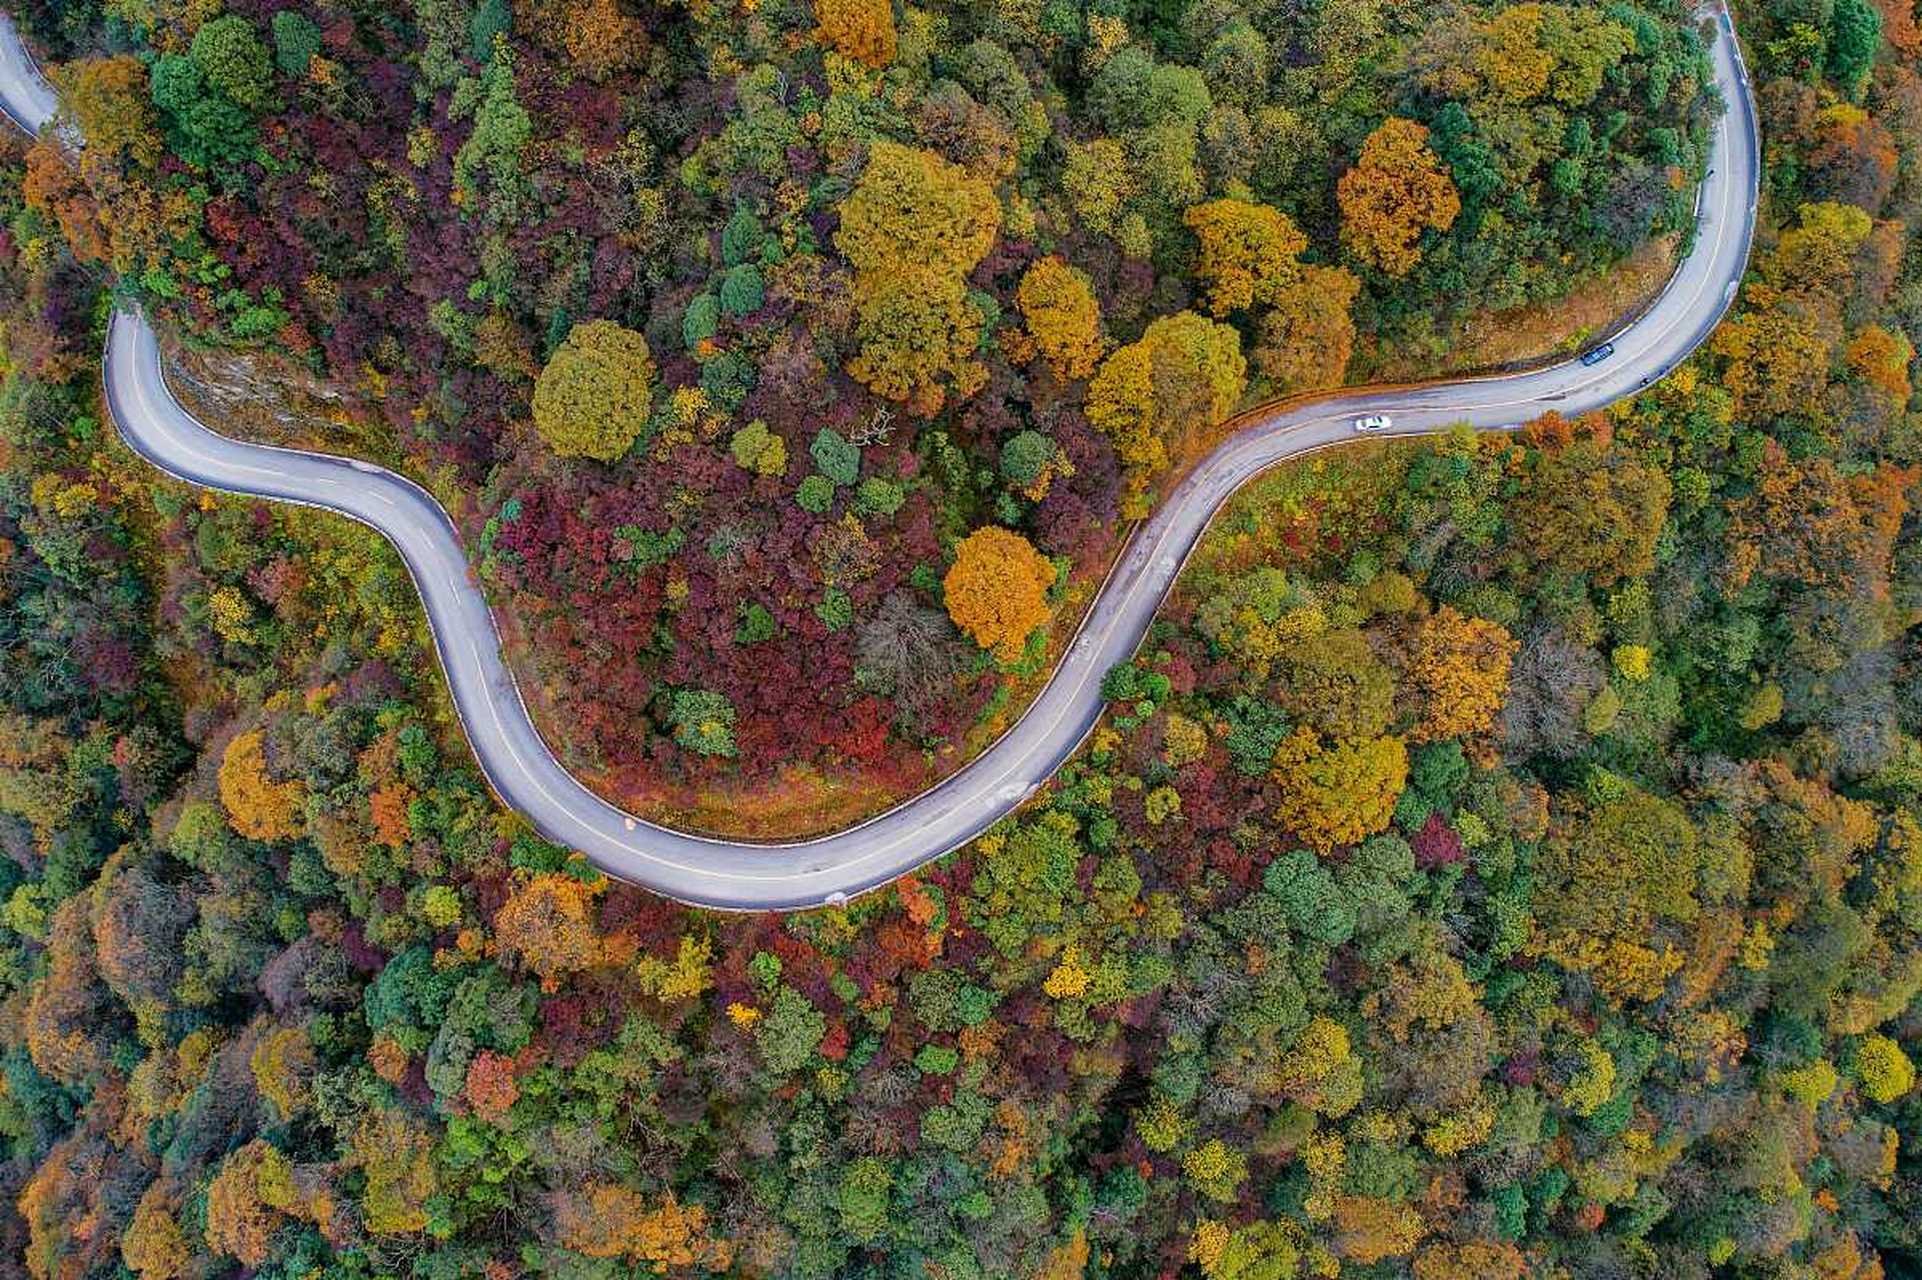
(1599, 354)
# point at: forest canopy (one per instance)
(1503, 857)
(610, 270)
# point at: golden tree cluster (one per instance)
(592, 399)
(1063, 316)
(861, 29)
(1460, 666)
(1336, 793)
(1248, 259)
(913, 228)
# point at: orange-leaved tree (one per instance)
(607, 1220)
(388, 806)
(491, 1089)
(997, 589)
(1306, 337)
(1473, 1260)
(1460, 665)
(548, 923)
(599, 38)
(1397, 189)
(861, 29)
(260, 808)
(240, 1222)
(1369, 1229)
(1881, 359)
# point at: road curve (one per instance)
(25, 96)
(730, 875)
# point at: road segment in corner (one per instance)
(739, 876)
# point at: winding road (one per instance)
(730, 875)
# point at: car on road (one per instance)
(1374, 422)
(1599, 354)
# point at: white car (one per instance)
(1373, 422)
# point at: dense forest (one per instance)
(728, 324)
(1504, 858)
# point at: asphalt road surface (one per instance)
(732, 875)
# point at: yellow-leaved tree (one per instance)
(997, 589)
(1779, 349)
(912, 208)
(1397, 189)
(591, 400)
(1338, 792)
(395, 1155)
(1248, 252)
(1063, 316)
(918, 335)
(913, 228)
(1460, 665)
(1155, 397)
(1618, 883)
(153, 1246)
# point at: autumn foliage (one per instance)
(1063, 314)
(607, 1220)
(913, 209)
(1396, 190)
(861, 29)
(259, 807)
(591, 399)
(600, 37)
(154, 1247)
(918, 336)
(1157, 396)
(1499, 859)
(1307, 336)
(996, 590)
(913, 227)
(1461, 667)
(1335, 793)
(491, 1088)
(1248, 252)
(548, 925)
(240, 1221)
(920, 227)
